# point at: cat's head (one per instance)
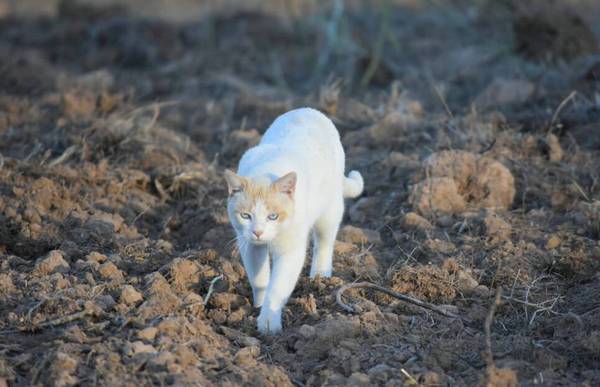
(258, 208)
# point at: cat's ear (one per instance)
(235, 183)
(286, 184)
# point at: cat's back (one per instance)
(304, 127)
(303, 140)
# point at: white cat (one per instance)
(290, 184)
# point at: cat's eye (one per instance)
(245, 215)
(273, 216)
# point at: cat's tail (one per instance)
(353, 185)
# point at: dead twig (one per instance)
(389, 292)
(52, 323)
(211, 287)
(70, 151)
(489, 355)
(560, 107)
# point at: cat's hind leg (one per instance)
(256, 263)
(324, 234)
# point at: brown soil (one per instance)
(116, 259)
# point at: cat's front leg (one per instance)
(256, 263)
(287, 265)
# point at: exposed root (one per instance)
(389, 292)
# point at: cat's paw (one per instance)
(259, 297)
(323, 273)
(269, 322)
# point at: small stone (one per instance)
(110, 272)
(140, 347)
(52, 263)
(360, 236)
(130, 296)
(105, 302)
(466, 281)
(553, 242)
(148, 334)
(307, 331)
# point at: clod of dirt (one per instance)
(96, 257)
(344, 248)
(457, 179)
(502, 92)
(440, 246)
(329, 334)
(427, 283)
(416, 221)
(307, 331)
(500, 377)
(160, 299)
(105, 302)
(451, 266)
(239, 338)
(79, 105)
(436, 194)
(552, 33)
(62, 370)
(148, 334)
(6, 284)
(108, 271)
(359, 236)
(140, 347)
(466, 280)
(194, 303)
(553, 242)
(130, 296)
(184, 274)
(246, 356)
(496, 229)
(52, 263)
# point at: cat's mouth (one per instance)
(258, 241)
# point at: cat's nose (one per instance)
(257, 233)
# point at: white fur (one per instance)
(306, 142)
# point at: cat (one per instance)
(289, 185)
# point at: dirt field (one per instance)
(475, 124)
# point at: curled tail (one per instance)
(353, 185)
